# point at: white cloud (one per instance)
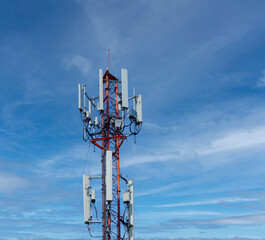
(76, 161)
(157, 190)
(244, 220)
(156, 127)
(236, 140)
(209, 202)
(233, 237)
(156, 157)
(10, 183)
(232, 140)
(178, 213)
(79, 62)
(237, 237)
(261, 81)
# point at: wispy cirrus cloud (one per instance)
(235, 237)
(10, 183)
(261, 80)
(242, 220)
(161, 214)
(156, 190)
(51, 166)
(78, 62)
(232, 140)
(240, 139)
(210, 202)
(39, 237)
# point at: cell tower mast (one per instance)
(107, 126)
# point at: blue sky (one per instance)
(198, 163)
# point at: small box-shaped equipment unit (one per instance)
(87, 116)
(96, 121)
(126, 197)
(93, 196)
(108, 176)
(86, 197)
(124, 88)
(118, 123)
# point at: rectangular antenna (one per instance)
(139, 109)
(100, 76)
(124, 88)
(89, 107)
(86, 197)
(80, 96)
(108, 176)
(84, 95)
(131, 209)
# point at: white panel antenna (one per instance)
(100, 103)
(80, 97)
(131, 209)
(96, 121)
(108, 176)
(84, 96)
(124, 88)
(139, 109)
(86, 197)
(89, 107)
(87, 116)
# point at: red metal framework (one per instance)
(111, 139)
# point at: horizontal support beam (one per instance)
(131, 98)
(111, 80)
(95, 221)
(107, 138)
(123, 178)
(94, 141)
(96, 177)
(114, 116)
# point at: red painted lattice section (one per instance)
(111, 140)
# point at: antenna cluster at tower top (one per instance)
(123, 111)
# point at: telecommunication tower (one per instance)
(107, 121)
